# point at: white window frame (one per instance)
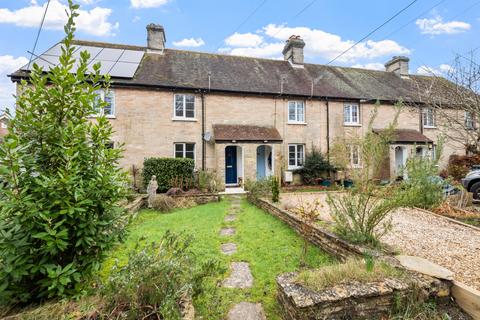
(348, 115)
(101, 93)
(185, 149)
(469, 123)
(3, 125)
(296, 104)
(296, 165)
(184, 116)
(352, 150)
(425, 118)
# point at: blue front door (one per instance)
(231, 165)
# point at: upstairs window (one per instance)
(108, 96)
(296, 112)
(296, 154)
(428, 118)
(469, 124)
(185, 150)
(184, 106)
(3, 125)
(351, 114)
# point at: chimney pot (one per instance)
(293, 50)
(398, 65)
(155, 38)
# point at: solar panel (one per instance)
(117, 62)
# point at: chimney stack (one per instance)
(398, 65)
(293, 51)
(155, 38)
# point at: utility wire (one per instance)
(295, 16)
(373, 31)
(38, 34)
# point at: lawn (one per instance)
(267, 244)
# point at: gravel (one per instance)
(425, 235)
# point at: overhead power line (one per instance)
(38, 34)
(373, 31)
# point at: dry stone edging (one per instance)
(246, 311)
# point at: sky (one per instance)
(429, 32)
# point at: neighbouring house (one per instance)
(248, 118)
(3, 125)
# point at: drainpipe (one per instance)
(328, 131)
(420, 119)
(204, 146)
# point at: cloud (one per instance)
(371, 66)
(244, 40)
(8, 64)
(148, 3)
(441, 70)
(191, 42)
(93, 21)
(436, 26)
(319, 43)
(136, 19)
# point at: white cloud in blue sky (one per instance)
(436, 26)
(8, 64)
(244, 40)
(94, 21)
(148, 3)
(189, 43)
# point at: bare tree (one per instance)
(452, 100)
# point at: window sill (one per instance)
(352, 125)
(185, 119)
(107, 116)
(297, 123)
(429, 127)
(293, 168)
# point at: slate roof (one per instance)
(246, 133)
(180, 69)
(407, 136)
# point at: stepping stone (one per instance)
(227, 232)
(425, 266)
(229, 248)
(230, 218)
(240, 277)
(246, 311)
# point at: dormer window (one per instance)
(184, 106)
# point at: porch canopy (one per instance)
(245, 133)
(407, 136)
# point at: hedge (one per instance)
(167, 171)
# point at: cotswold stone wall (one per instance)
(200, 198)
(355, 300)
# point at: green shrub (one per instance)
(208, 181)
(156, 279)
(275, 189)
(59, 209)
(259, 189)
(168, 170)
(315, 167)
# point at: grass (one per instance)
(267, 244)
(353, 270)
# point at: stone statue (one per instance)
(152, 190)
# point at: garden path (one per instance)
(240, 276)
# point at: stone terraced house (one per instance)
(248, 118)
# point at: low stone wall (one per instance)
(327, 241)
(349, 301)
(201, 198)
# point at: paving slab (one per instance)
(227, 231)
(240, 276)
(230, 218)
(425, 266)
(246, 311)
(228, 248)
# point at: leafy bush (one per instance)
(163, 203)
(167, 171)
(259, 189)
(156, 280)
(208, 181)
(459, 166)
(361, 215)
(315, 167)
(58, 208)
(275, 189)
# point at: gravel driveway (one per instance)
(425, 235)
